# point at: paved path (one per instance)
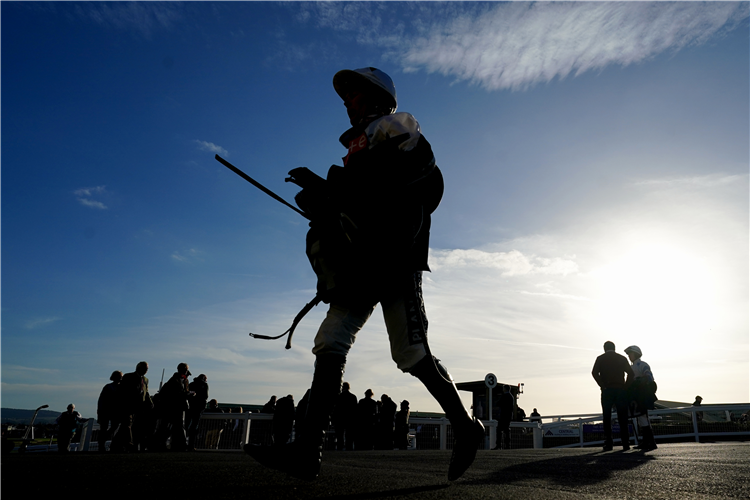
(680, 471)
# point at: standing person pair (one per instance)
(629, 389)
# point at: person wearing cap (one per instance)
(367, 417)
(610, 372)
(173, 403)
(401, 427)
(368, 243)
(642, 395)
(698, 414)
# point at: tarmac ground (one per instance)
(682, 470)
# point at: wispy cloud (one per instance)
(535, 344)
(189, 255)
(90, 191)
(27, 369)
(142, 18)
(515, 45)
(83, 195)
(210, 146)
(92, 203)
(512, 263)
(39, 322)
(224, 356)
(698, 181)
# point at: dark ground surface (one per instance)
(681, 471)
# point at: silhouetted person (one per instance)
(343, 418)
(265, 426)
(642, 395)
(698, 414)
(283, 420)
(67, 424)
(610, 371)
(520, 414)
(173, 403)
(299, 416)
(386, 417)
(270, 406)
(198, 397)
(136, 407)
(215, 427)
(535, 416)
(401, 427)
(109, 410)
(506, 404)
(368, 244)
(367, 415)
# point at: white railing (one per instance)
(671, 423)
(437, 433)
(256, 428)
(231, 431)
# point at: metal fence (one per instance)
(230, 432)
(688, 423)
(437, 434)
(256, 428)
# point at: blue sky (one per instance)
(596, 166)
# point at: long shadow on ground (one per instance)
(571, 471)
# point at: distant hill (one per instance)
(16, 416)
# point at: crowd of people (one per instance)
(367, 424)
(135, 420)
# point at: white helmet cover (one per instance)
(634, 349)
(364, 78)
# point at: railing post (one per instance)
(86, 432)
(538, 436)
(443, 433)
(245, 430)
(580, 432)
(695, 427)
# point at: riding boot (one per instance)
(326, 386)
(649, 443)
(302, 458)
(468, 432)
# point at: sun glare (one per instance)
(656, 293)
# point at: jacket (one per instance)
(610, 369)
(371, 218)
(173, 395)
